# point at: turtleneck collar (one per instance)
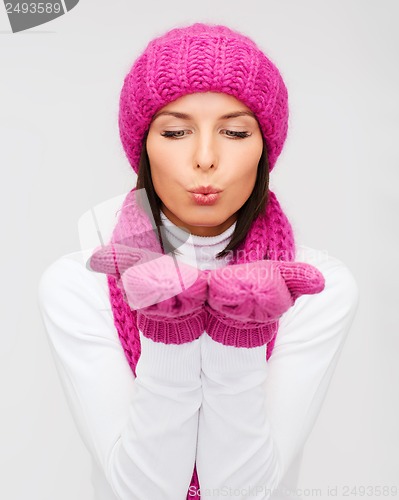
(198, 250)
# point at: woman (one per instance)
(191, 368)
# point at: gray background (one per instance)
(337, 180)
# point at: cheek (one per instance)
(159, 165)
(243, 164)
(163, 169)
(164, 159)
(155, 153)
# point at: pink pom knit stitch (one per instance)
(170, 300)
(245, 300)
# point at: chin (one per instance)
(206, 221)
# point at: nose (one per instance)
(205, 155)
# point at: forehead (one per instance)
(220, 105)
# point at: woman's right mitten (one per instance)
(245, 301)
(169, 299)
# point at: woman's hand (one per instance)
(169, 298)
(245, 300)
(238, 305)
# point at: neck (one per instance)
(199, 230)
(195, 249)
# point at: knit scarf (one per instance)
(270, 236)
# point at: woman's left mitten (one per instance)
(115, 258)
(245, 301)
(169, 298)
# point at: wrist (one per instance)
(169, 363)
(220, 358)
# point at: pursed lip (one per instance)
(205, 190)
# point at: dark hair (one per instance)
(254, 205)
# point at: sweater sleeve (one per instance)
(142, 432)
(256, 416)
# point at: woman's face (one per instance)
(191, 144)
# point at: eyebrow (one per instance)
(185, 116)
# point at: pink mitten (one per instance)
(169, 299)
(115, 258)
(246, 300)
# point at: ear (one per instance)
(301, 278)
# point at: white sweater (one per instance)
(243, 420)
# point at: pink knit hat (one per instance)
(202, 58)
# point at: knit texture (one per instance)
(237, 305)
(170, 299)
(199, 58)
(245, 300)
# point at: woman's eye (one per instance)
(172, 134)
(180, 133)
(238, 135)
